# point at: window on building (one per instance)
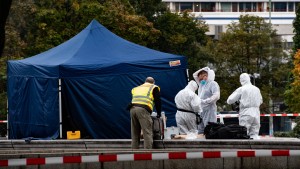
(245, 7)
(291, 6)
(186, 6)
(234, 7)
(279, 6)
(196, 6)
(218, 31)
(177, 5)
(254, 9)
(272, 5)
(287, 45)
(241, 7)
(248, 6)
(260, 7)
(208, 6)
(225, 7)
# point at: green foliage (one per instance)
(251, 46)
(3, 105)
(284, 134)
(125, 23)
(296, 25)
(296, 129)
(183, 35)
(57, 21)
(148, 8)
(3, 99)
(292, 94)
(4, 8)
(294, 133)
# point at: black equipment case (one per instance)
(158, 128)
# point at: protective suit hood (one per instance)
(210, 73)
(245, 79)
(192, 85)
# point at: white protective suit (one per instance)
(250, 99)
(209, 93)
(187, 99)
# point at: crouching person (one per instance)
(188, 106)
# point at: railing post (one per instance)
(271, 126)
(221, 119)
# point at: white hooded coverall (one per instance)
(209, 94)
(187, 99)
(250, 99)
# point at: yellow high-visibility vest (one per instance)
(143, 95)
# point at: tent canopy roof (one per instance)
(95, 50)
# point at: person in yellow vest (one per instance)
(144, 97)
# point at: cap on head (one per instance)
(150, 80)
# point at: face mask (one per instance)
(203, 82)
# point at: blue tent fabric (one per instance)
(97, 69)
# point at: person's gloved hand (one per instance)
(204, 101)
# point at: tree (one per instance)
(17, 28)
(293, 88)
(148, 8)
(58, 21)
(251, 46)
(292, 94)
(183, 35)
(4, 11)
(296, 25)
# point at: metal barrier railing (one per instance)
(79, 159)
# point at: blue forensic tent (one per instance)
(97, 70)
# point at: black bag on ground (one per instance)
(221, 131)
(158, 128)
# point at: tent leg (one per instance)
(187, 72)
(7, 129)
(60, 109)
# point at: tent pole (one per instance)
(187, 73)
(60, 110)
(7, 129)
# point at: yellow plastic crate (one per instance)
(73, 135)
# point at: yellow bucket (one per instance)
(73, 135)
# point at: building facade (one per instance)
(219, 13)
